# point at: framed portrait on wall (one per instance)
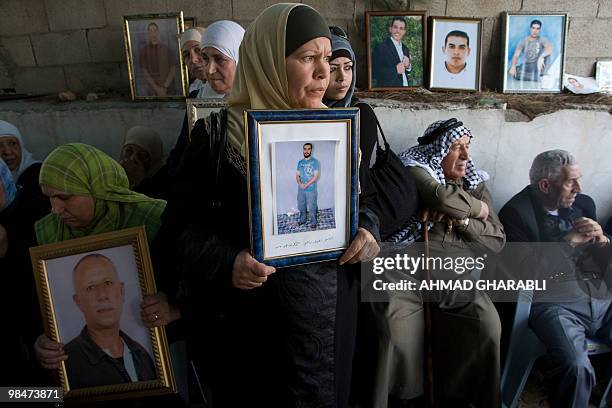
(396, 44)
(155, 65)
(189, 22)
(455, 53)
(303, 183)
(534, 52)
(201, 108)
(90, 291)
(603, 75)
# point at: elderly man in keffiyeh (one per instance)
(457, 209)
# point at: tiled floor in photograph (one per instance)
(288, 224)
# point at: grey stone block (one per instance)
(6, 79)
(75, 14)
(106, 44)
(39, 80)
(22, 17)
(332, 9)
(605, 9)
(491, 36)
(433, 7)
(124, 78)
(480, 8)
(580, 66)
(382, 5)
(491, 53)
(248, 10)
(116, 9)
(19, 50)
(93, 77)
(582, 8)
(60, 48)
(588, 38)
(205, 11)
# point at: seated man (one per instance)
(456, 204)
(103, 354)
(575, 305)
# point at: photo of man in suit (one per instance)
(391, 58)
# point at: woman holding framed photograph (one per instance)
(89, 194)
(290, 332)
(20, 207)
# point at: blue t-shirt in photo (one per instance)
(307, 168)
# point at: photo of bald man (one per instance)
(102, 354)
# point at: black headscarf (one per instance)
(303, 25)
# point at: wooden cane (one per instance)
(429, 369)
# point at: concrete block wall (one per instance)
(53, 45)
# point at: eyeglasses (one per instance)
(335, 30)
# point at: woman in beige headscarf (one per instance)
(292, 332)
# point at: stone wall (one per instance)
(54, 45)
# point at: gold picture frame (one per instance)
(201, 108)
(65, 284)
(155, 64)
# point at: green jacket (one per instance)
(454, 201)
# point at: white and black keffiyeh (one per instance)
(429, 157)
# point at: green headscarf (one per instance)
(80, 169)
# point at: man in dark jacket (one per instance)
(576, 304)
(391, 58)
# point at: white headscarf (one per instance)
(225, 36)
(8, 129)
(192, 34)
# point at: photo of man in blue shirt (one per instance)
(307, 174)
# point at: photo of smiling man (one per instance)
(396, 54)
(455, 62)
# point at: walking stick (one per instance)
(429, 383)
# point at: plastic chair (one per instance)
(525, 348)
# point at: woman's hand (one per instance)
(248, 273)
(49, 353)
(363, 248)
(156, 311)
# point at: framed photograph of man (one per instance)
(155, 66)
(396, 43)
(201, 108)
(303, 183)
(90, 290)
(603, 76)
(455, 53)
(534, 52)
(190, 22)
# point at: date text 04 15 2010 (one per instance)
(33, 394)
